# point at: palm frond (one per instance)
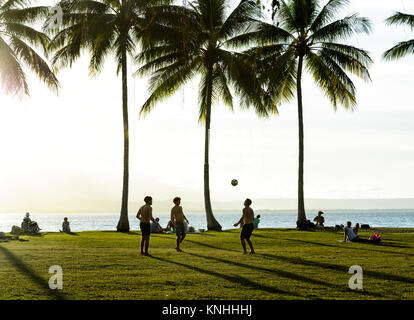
(27, 54)
(400, 50)
(336, 85)
(13, 78)
(342, 29)
(400, 18)
(327, 13)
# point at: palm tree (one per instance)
(190, 41)
(305, 37)
(18, 41)
(405, 47)
(104, 27)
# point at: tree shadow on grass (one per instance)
(288, 275)
(29, 272)
(330, 266)
(232, 278)
(356, 246)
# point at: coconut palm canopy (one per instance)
(306, 36)
(187, 41)
(402, 48)
(194, 40)
(18, 44)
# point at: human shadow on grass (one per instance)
(232, 278)
(330, 266)
(287, 274)
(29, 272)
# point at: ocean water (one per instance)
(108, 221)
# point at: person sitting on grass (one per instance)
(145, 216)
(177, 218)
(65, 225)
(169, 227)
(351, 236)
(319, 220)
(356, 229)
(29, 226)
(247, 220)
(256, 221)
(155, 226)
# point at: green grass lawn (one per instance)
(289, 264)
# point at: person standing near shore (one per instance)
(247, 219)
(145, 216)
(178, 218)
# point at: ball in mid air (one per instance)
(234, 182)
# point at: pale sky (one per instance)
(57, 150)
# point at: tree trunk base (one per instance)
(123, 226)
(214, 226)
(302, 225)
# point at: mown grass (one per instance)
(289, 264)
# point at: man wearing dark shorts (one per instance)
(247, 219)
(177, 218)
(145, 216)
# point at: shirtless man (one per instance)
(145, 216)
(247, 220)
(177, 218)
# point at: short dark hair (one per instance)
(147, 199)
(176, 199)
(258, 215)
(157, 219)
(248, 201)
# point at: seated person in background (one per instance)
(356, 229)
(65, 225)
(319, 220)
(155, 226)
(256, 221)
(29, 226)
(169, 227)
(350, 234)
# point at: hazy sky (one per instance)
(57, 150)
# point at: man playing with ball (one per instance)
(177, 218)
(247, 220)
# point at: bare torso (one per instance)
(177, 214)
(145, 213)
(248, 215)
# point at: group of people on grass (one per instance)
(27, 226)
(350, 234)
(180, 224)
(178, 220)
(31, 227)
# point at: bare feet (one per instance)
(178, 249)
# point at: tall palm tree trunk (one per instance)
(301, 222)
(123, 223)
(212, 223)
